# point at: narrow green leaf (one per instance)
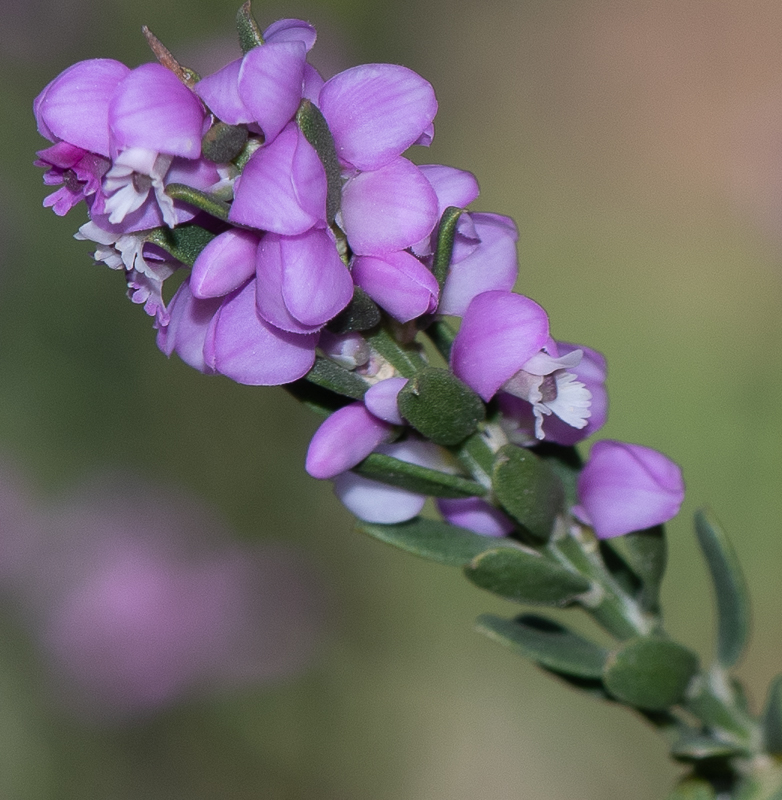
(699, 747)
(772, 717)
(223, 142)
(331, 376)
(185, 242)
(528, 490)
(525, 576)
(441, 335)
(249, 32)
(446, 233)
(733, 612)
(361, 314)
(431, 539)
(713, 701)
(316, 131)
(322, 401)
(406, 358)
(421, 480)
(646, 554)
(565, 463)
(546, 643)
(200, 200)
(693, 789)
(650, 673)
(440, 407)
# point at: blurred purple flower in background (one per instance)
(135, 606)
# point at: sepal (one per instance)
(316, 131)
(446, 233)
(184, 243)
(200, 200)
(249, 33)
(223, 142)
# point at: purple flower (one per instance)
(627, 487)
(475, 515)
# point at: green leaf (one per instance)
(650, 673)
(406, 358)
(200, 200)
(772, 717)
(223, 142)
(565, 463)
(322, 401)
(528, 489)
(695, 747)
(693, 789)
(440, 407)
(337, 379)
(360, 314)
(525, 576)
(733, 612)
(421, 480)
(249, 32)
(446, 233)
(546, 643)
(646, 552)
(714, 701)
(441, 335)
(316, 131)
(431, 539)
(185, 242)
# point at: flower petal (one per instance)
(152, 109)
(453, 187)
(291, 30)
(376, 111)
(381, 399)
(249, 350)
(389, 209)
(74, 107)
(282, 188)
(628, 487)
(475, 515)
(500, 331)
(224, 264)
(398, 282)
(270, 84)
(220, 92)
(375, 502)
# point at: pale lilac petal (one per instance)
(345, 439)
(427, 137)
(628, 487)
(389, 209)
(376, 111)
(399, 283)
(220, 92)
(493, 265)
(499, 332)
(74, 107)
(376, 502)
(316, 283)
(591, 371)
(454, 187)
(291, 30)
(349, 350)
(189, 320)
(197, 173)
(152, 109)
(270, 280)
(249, 350)
(282, 188)
(381, 399)
(313, 83)
(475, 515)
(270, 84)
(224, 264)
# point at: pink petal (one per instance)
(475, 515)
(224, 264)
(381, 399)
(270, 84)
(345, 439)
(152, 109)
(220, 92)
(376, 111)
(454, 187)
(398, 282)
(291, 30)
(389, 209)
(500, 331)
(74, 107)
(249, 350)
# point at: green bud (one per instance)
(361, 314)
(528, 490)
(526, 576)
(650, 673)
(249, 32)
(440, 407)
(223, 142)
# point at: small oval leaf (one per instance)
(526, 577)
(697, 747)
(528, 489)
(331, 376)
(650, 673)
(440, 407)
(546, 643)
(733, 613)
(184, 243)
(316, 131)
(446, 234)
(431, 539)
(693, 789)
(646, 553)
(772, 717)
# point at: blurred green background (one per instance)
(639, 148)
